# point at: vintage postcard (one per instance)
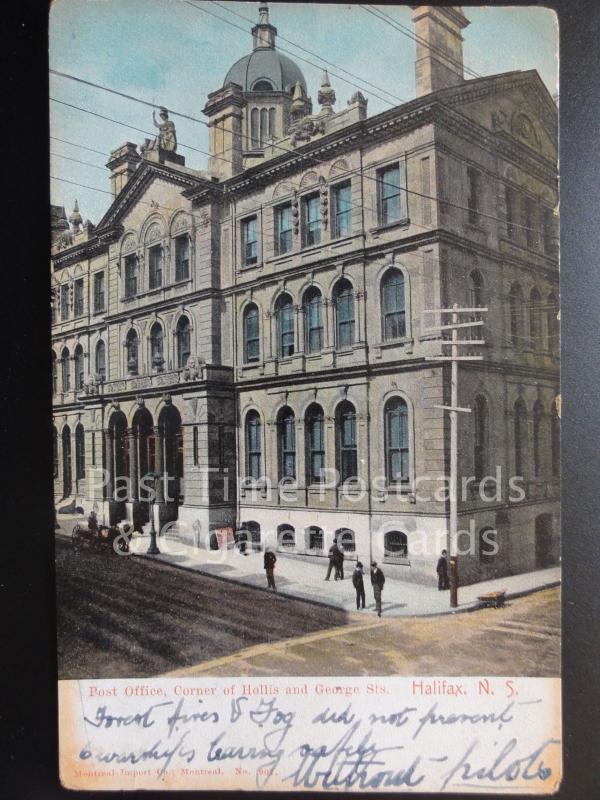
(306, 399)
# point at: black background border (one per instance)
(28, 767)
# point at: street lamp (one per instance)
(152, 548)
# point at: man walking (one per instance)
(270, 559)
(377, 581)
(359, 585)
(442, 571)
(334, 552)
(340, 564)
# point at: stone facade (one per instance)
(447, 199)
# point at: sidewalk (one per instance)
(302, 579)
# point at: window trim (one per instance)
(277, 211)
(400, 165)
(244, 223)
(309, 197)
(99, 279)
(335, 213)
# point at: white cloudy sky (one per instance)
(173, 53)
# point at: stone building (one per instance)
(257, 333)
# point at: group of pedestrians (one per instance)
(377, 582)
(336, 565)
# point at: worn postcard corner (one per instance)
(306, 396)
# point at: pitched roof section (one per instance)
(147, 172)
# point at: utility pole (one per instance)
(454, 326)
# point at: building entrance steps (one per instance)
(305, 580)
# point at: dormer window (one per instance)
(262, 86)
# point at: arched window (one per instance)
(477, 298)
(552, 323)
(66, 461)
(346, 540)
(480, 437)
(535, 318)
(488, 545)
(183, 341)
(252, 530)
(79, 367)
(262, 86)
(132, 350)
(555, 441)
(271, 123)
(251, 334)
(313, 321)
(343, 296)
(286, 443)
(54, 451)
(157, 358)
(520, 419)
(254, 129)
(395, 544)
(538, 421)
(285, 325)
(264, 126)
(101, 360)
(393, 305)
(345, 418)
(315, 538)
(65, 366)
(286, 537)
(396, 441)
(54, 374)
(79, 453)
(253, 446)
(515, 304)
(315, 444)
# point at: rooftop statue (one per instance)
(167, 138)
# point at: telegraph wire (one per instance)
(300, 58)
(411, 35)
(82, 146)
(78, 161)
(313, 158)
(315, 55)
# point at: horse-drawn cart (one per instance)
(114, 537)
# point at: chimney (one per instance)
(122, 164)
(439, 62)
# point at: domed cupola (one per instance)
(252, 110)
(265, 69)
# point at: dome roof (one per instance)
(265, 64)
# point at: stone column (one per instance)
(158, 463)
(133, 464)
(109, 466)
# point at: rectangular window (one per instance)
(443, 185)
(311, 220)
(64, 302)
(195, 445)
(182, 258)
(283, 227)
(155, 256)
(250, 241)
(511, 212)
(529, 222)
(315, 538)
(392, 195)
(93, 448)
(78, 301)
(473, 180)
(342, 217)
(130, 276)
(316, 450)
(99, 300)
